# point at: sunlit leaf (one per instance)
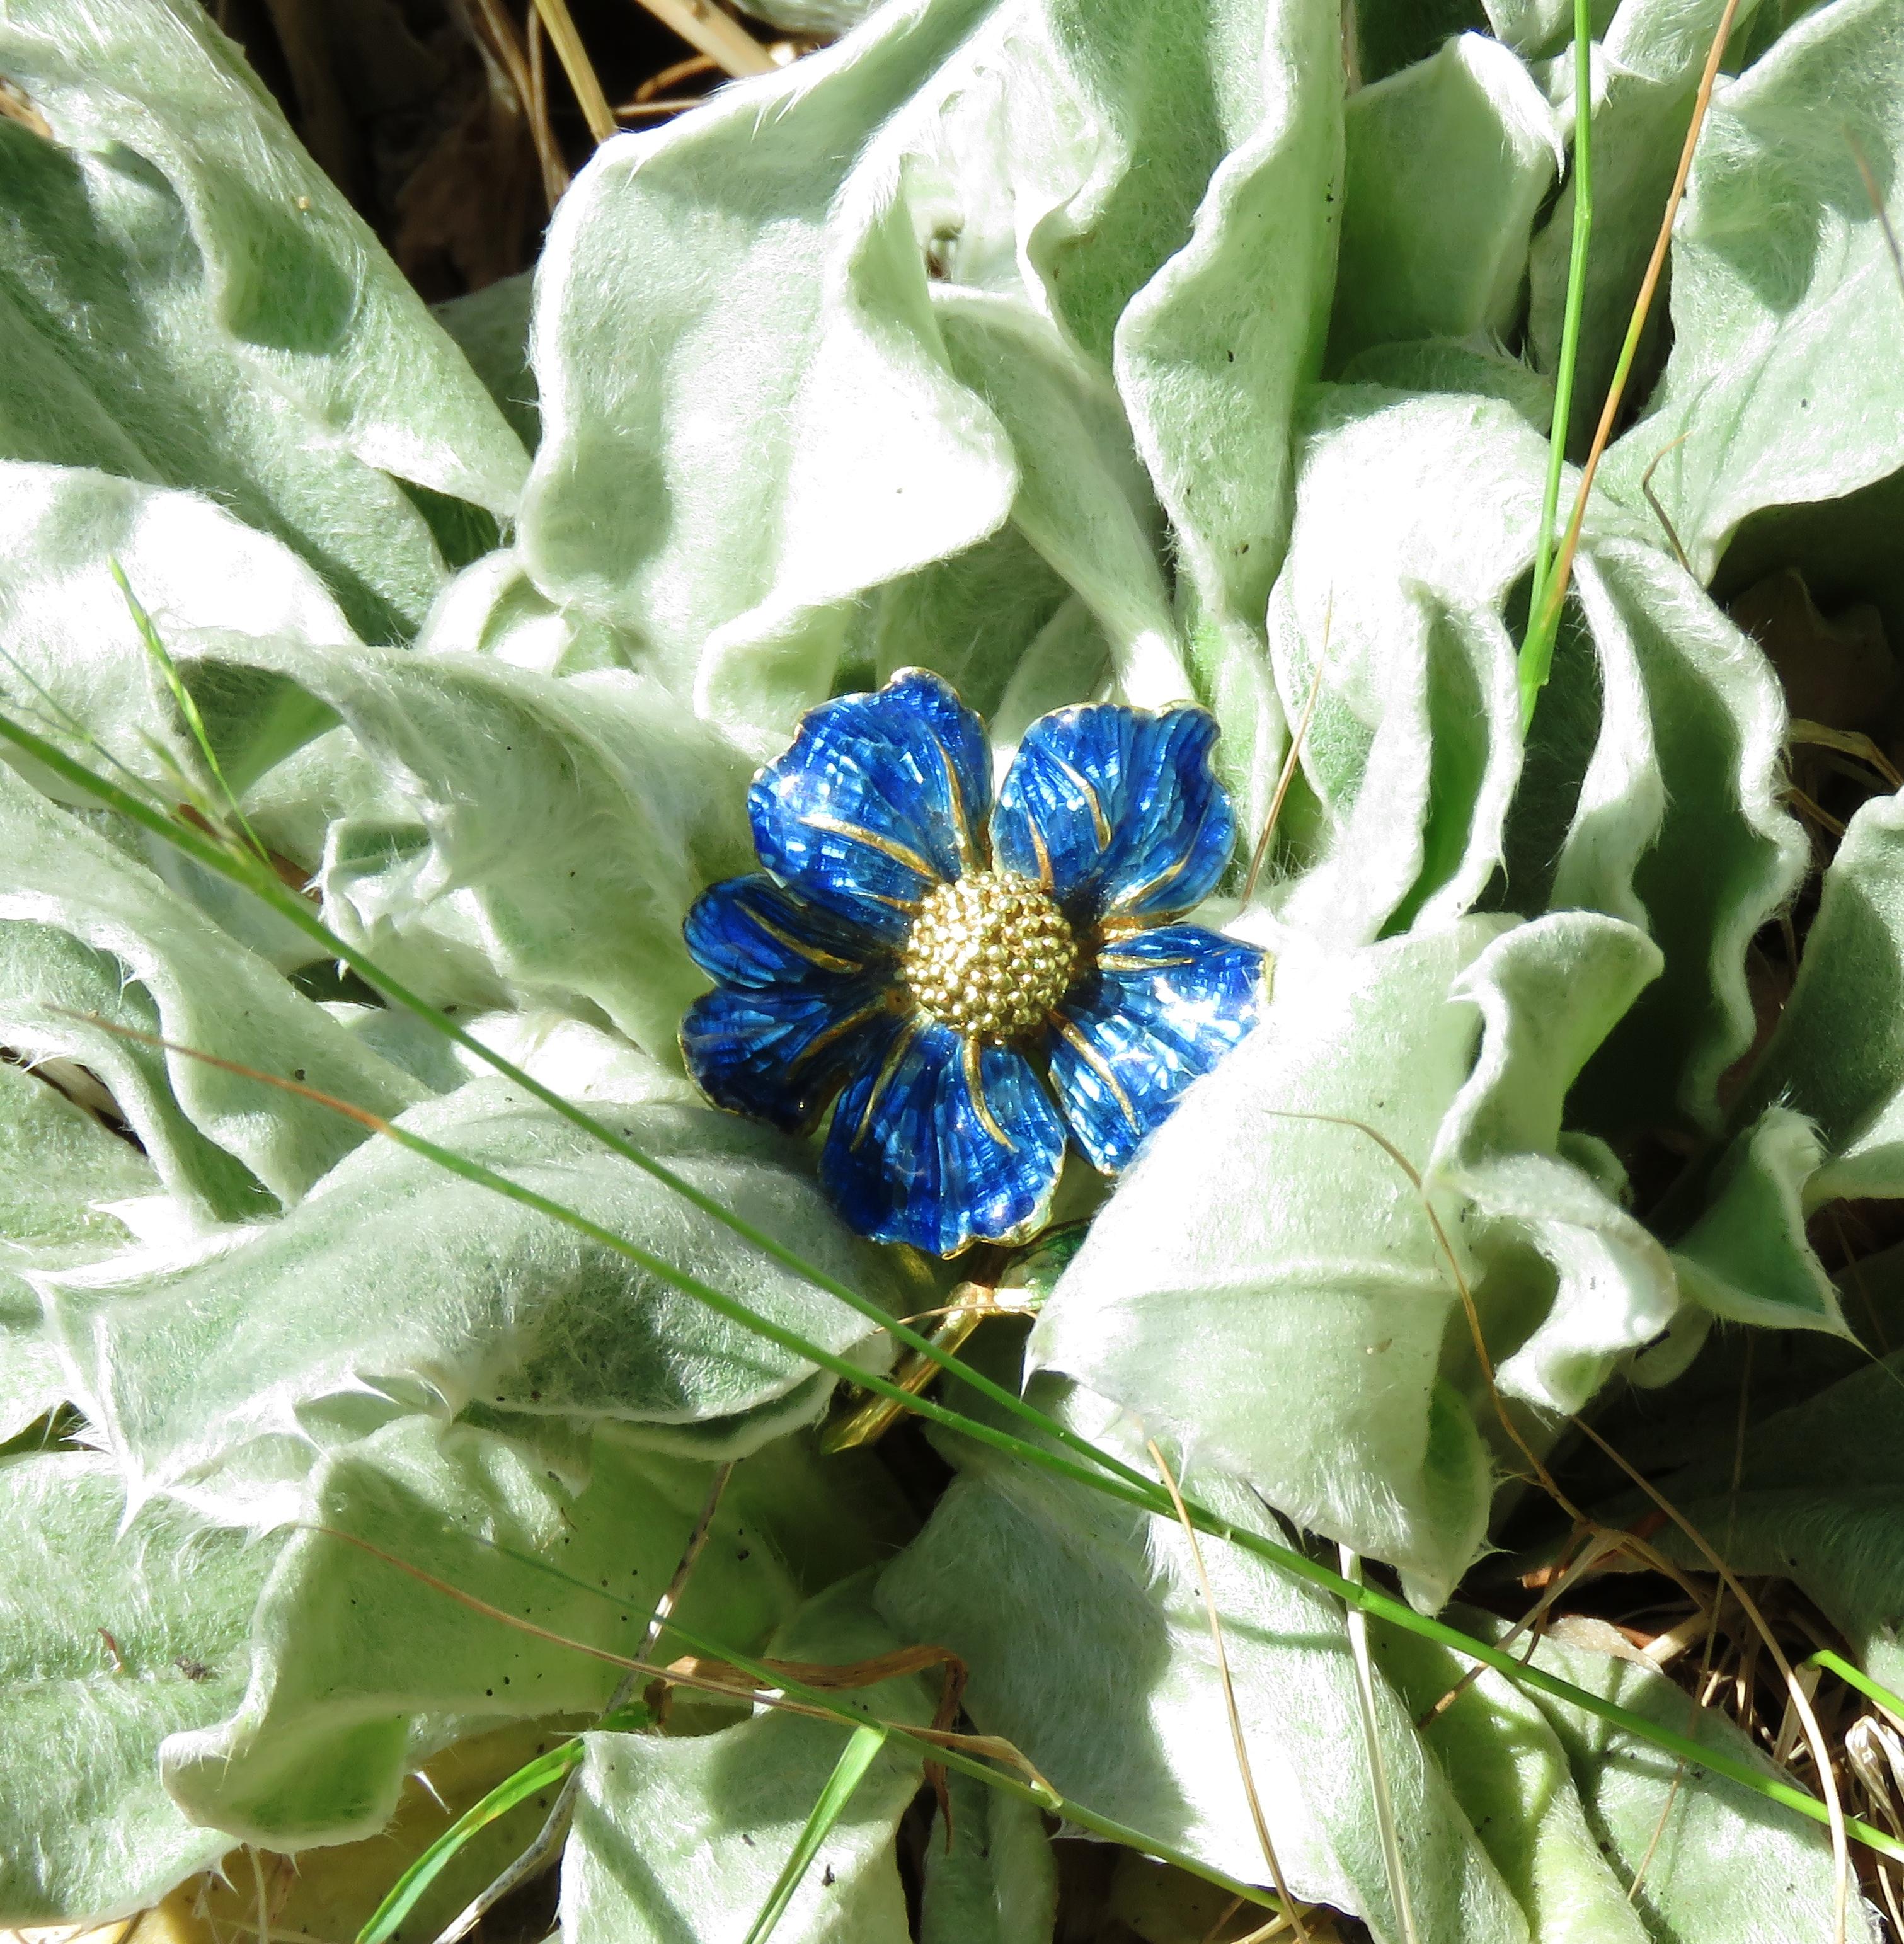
(1197, 1295)
(1785, 379)
(1678, 819)
(245, 334)
(1212, 353)
(1604, 1840)
(852, 271)
(361, 1670)
(58, 1165)
(81, 920)
(1549, 992)
(185, 1360)
(86, 1831)
(73, 659)
(490, 326)
(1837, 1055)
(1747, 1256)
(679, 1840)
(1703, 1858)
(1508, 1771)
(1817, 1502)
(1399, 606)
(606, 810)
(1089, 1648)
(1447, 162)
(996, 1882)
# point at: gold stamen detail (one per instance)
(989, 956)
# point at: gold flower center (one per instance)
(991, 954)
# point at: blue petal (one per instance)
(1118, 811)
(880, 797)
(944, 1143)
(803, 1001)
(1164, 1007)
(780, 1054)
(747, 931)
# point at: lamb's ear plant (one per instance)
(382, 1297)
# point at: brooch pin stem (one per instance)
(1024, 1281)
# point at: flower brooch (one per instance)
(947, 966)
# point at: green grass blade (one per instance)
(1378, 1768)
(813, 1699)
(58, 713)
(1151, 1497)
(1856, 1677)
(1537, 658)
(1106, 1474)
(1352, 1594)
(187, 708)
(848, 1773)
(1544, 617)
(264, 884)
(1144, 1496)
(517, 1788)
(508, 1793)
(1525, 1674)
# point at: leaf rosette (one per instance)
(1181, 406)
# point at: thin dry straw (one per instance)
(1483, 1358)
(1259, 855)
(560, 23)
(1882, 215)
(1145, 1497)
(264, 1900)
(724, 42)
(548, 1842)
(1290, 1906)
(498, 33)
(774, 1686)
(1652, 498)
(1599, 1545)
(1800, 1701)
(1538, 653)
(1710, 1629)
(1378, 1766)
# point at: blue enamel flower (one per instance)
(970, 978)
